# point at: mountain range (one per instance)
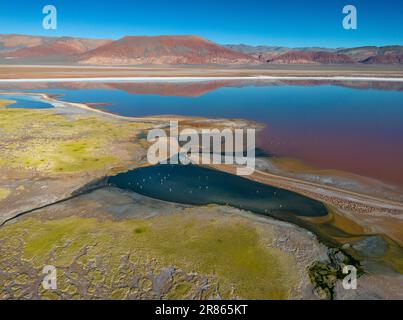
(20, 47)
(179, 50)
(318, 55)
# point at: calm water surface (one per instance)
(354, 127)
(196, 185)
(201, 186)
(26, 102)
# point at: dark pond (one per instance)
(201, 186)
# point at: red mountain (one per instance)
(178, 50)
(50, 47)
(164, 50)
(311, 57)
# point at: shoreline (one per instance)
(38, 72)
(201, 79)
(362, 197)
(355, 203)
(84, 106)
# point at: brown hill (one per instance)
(164, 50)
(385, 59)
(50, 47)
(12, 42)
(362, 53)
(311, 57)
(315, 55)
(267, 53)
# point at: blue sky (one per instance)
(281, 22)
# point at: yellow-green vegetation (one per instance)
(179, 291)
(5, 102)
(44, 140)
(229, 250)
(4, 193)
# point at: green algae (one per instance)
(47, 141)
(226, 250)
(180, 291)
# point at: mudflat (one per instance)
(10, 71)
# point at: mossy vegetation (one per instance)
(4, 193)
(324, 275)
(5, 102)
(179, 291)
(230, 251)
(46, 141)
(65, 156)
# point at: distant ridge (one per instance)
(311, 57)
(386, 59)
(317, 55)
(266, 53)
(360, 54)
(179, 50)
(20, 46)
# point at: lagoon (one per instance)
(26, 102)
(355, 127)
(191, 184)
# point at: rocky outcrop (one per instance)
(302, 57)
(361, 54)
(386, 59)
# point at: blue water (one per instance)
(26, 102)
(275, 104)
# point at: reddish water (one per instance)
(347, 151)
(357, 129)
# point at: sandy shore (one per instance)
(157, 121)
(24, 72)
(191, 79)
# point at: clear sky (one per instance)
(291, 23)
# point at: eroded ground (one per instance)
(108, 244)
(40, 72)
(190, 253)
(47, 154)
